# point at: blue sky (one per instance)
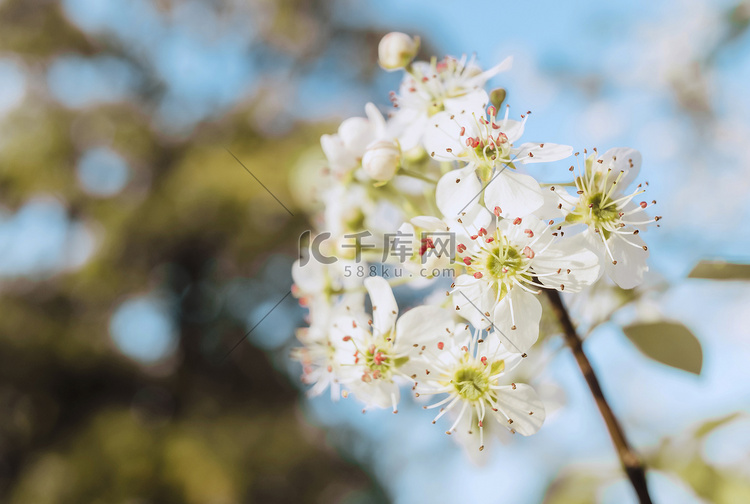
(594, 74)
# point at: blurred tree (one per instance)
(81, 422)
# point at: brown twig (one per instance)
(631, 463)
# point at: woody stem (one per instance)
(631, 462)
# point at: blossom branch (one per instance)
(631, 463)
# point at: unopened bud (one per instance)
(396, 50)
(381, 160)
(497, 97)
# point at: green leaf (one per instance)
(720, 270)
(670, 343)
(711, 425)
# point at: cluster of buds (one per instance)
(448, 160)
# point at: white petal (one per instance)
(422, 325)
(623, 159)
(472, 299)
(429, 223)
(521, 404)
(356, 133)
(569, 253)
(311, 277)
(475, 101)
(482, 78)
(408, 125)
(379, 393)
(512, 129)
(515, 193)
(457, 190)
(384, 307)
(525, 316)
(377, 121)
(442, 138)
(631, 260)
(541, 152)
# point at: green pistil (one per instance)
(503, 262)
(471, 383)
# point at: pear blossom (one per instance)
(505, 268)
(488, 147)
(345, 149)
(471, 371)
(321, 369)
(613, 218)
(447, 167)
(381, 160)
(396, 50)
(380, 352)
(450, 85)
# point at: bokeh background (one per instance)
(136, 252)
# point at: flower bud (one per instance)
(381, 160)
(396, 50)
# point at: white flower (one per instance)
(449, 85)
(505, 267)
(614, 220)
(320, 367)
(352, 209)
(396, 50)
(487, 145)
(345, 149)
(381, 160)
(316, 280)
(471, 371)
(379, 352)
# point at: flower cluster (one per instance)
(444, 189)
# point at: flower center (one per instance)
(498, 262)
(380, 362)
(503, 262)
(471, 383)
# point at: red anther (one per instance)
(461, 247)
(517, 221)
(492, 111)
(482, 232)
(644, 204)
(498, 211)
(376, 374)
(528, 252)
(473, 237)
(303, 302)
(465, 348)
(495, 125)
(441, 345)
(489, 240)
(463, 131)
(477, 275)
(467, 261)
(483, 120)
(529, 233)
(347, 338)
(480, 424)
(425, 79)
(502, 138)
(412, 90)
(379, 358)
(484, 360)
(475, 142)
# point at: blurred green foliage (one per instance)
(82, 423)
(670, 343)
